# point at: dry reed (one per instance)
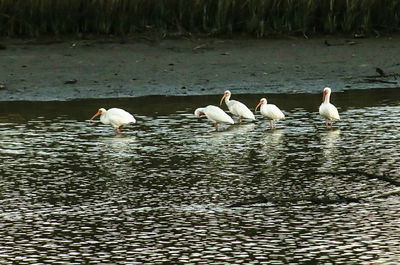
(213, 17)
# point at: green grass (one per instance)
(211, 17)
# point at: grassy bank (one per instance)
(214, 17)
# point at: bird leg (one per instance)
(270, 124)
(240, 120)
(216, 127)
(120, 128)
(326, 123)
(331, 124)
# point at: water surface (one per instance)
(170, 189)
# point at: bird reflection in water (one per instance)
(273, 137)
(120, 143)
(330, 151)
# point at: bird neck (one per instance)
(327, 98)
(104, 119)
(227, 98)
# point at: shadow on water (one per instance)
(160, 105)
(171, 189)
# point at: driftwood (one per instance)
(348, 42)
(380, 77)
(365, 174)
(375, 80)
(380, 71)
(69, 82)
(325, 199)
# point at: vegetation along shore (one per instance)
(257, 18)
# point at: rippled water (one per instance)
(171, 190)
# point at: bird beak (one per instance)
(259, 104)
(224, 96)
(323, 96)
(95, 115)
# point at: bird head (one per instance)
(327, 91)
(227, 94)
(99, 112)
(199, 112)
(262, 101)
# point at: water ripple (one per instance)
(162, 191)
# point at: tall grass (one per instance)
(213, 17)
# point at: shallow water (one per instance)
(170, 189)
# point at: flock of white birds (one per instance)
(119, 118)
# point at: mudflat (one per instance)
(76, 69)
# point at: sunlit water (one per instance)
(170, 189)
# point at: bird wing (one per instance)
(120, 116)
(329, 111)
(334, 112)
(215, 114)
(239, 109)
(273, 112)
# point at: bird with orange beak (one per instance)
(214, 114)
(118, 118)
(237, 108)
(328, 110)
(271, 111)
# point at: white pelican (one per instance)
(327, 110)
(214, 114)
(237, 108)
(118, 118)
(270, 111)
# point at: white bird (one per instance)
(271, 111)
(118, 118)
(214, 114)
(327, 110)
(237, 108)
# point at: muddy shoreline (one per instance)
(78, 69)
